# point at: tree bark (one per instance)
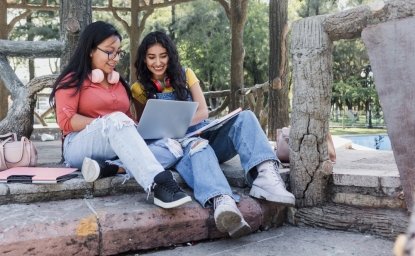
(278, 61)
(35, 49)
(239, 12)
(311, 51)
(4, 93)
(75, 15)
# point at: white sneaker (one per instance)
(270, 186)
(90, 169)
(228, 218)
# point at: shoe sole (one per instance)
(259, 193)
(90, 170)
(227, 219)
(241, 230)
(173, 204)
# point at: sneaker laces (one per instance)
(171, 185)
(272, 167)
(222, 199)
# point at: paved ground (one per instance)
(288, 241)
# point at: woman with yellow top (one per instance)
(160, 76)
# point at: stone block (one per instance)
(368, 200)
(4, 190)
(67, 227)
(355, 180)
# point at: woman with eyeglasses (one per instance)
(92, 104)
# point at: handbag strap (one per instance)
(25, 141)
(3, 164)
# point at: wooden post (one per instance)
(75, 15)
(311, 50)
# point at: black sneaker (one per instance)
(92, 171)
(167, 193)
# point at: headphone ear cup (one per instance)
(113, 77)
(96, 76)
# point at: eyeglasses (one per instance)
(112, 55)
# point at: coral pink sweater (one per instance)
(92, 100)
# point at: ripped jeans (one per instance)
(199, 166)
(113, 135)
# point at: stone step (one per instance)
(49, 155)
(116, 224)
(375, 183)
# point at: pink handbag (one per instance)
(15, 153)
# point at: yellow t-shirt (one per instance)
(137, 88)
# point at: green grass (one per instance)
(356, 131)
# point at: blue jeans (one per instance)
(111, 136)
(199, 166)
(241, 135)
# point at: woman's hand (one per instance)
(79, 122)
(202, 111)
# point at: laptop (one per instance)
(166, 118)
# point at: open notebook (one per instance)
(37, 175)
(215, 124)
(166, 118)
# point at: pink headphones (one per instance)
(97, 76)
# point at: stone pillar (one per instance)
(311, 51)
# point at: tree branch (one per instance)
(9, 78)
(16, 19)
(226, 6)
(31, 49)
(121, 20)
(38, 83)
(143, 20)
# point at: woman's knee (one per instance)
(118, 120)
(198, 145)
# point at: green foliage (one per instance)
(349, 88)
(256, 41)
(203, 38)
(41, 26)
(316, 7)
(202, 33)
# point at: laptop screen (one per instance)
(166, 118)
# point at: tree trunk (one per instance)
(4, 93)
(75, 15)
(134, 38)
(278, 61)
(239, 12)
(30, 37)
(311, 51)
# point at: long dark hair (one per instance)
(174, 71)
(79, 65)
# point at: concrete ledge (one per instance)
(358, 199)
(366, 178)
(115, 224)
